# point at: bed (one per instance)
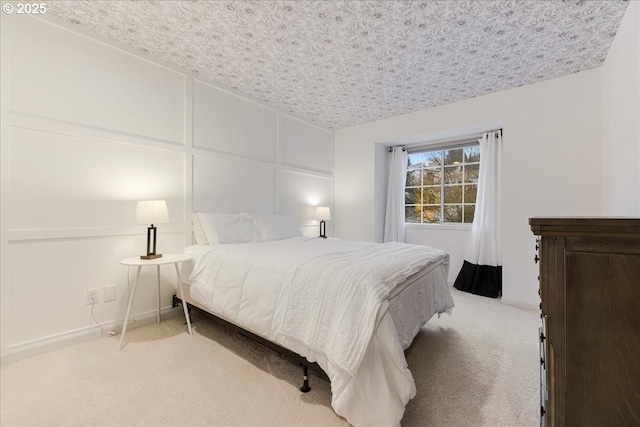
(351, 307)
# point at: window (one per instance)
(441, 185)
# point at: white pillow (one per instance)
(232, 228)
(198, 231)
(279, 227)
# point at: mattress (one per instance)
(270, 289)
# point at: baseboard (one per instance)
(519, 304)
(16, 352)
(507, 301)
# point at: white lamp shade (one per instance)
(152, 212)
(323, 212)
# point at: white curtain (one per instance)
(482, 270)
(394, 216)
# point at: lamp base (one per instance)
(323, 228)
(154, 256)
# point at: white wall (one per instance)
(450, 239)
(88, 128)
(551, 166)
(621, 118)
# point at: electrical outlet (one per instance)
(109, 293)
(92, 296)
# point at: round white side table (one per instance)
(174, 259)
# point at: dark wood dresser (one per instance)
(590, 334)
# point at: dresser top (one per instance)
(626, 226)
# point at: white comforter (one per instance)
(326, 300)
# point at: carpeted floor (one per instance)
(479, 367)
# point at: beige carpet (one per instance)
(479, 367)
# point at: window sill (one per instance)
(456, 227)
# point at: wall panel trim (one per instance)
(45, 124)
(290, 167)
(38, 235)
(231, 158)
(306, 171)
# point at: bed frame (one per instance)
(295, 357)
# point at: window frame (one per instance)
(442, 148)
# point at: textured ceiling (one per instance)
(341, 63)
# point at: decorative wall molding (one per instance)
(69, 185)
(49, 124)
(319, 173)
(39, 235)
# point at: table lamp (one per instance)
(151, 212)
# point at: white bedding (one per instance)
(338, 303)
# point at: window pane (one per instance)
(432, 214)
(472, 154)
(433, 159)
(432, 195)
(412, 196)
(414, 178)
(453, 174)
(453, 194)
(412, 214)
(452, 213)
(453, 157)
(470, 192)
(469, 211)
(471, 173)
(441, 186)
(431, 177)
(415, 161)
